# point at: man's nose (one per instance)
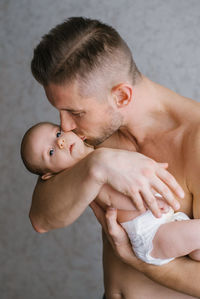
(66, 121)
(61, 142)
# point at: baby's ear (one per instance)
(47, 176)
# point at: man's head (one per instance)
(83, 59)
(46, 150)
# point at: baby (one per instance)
(46, 151)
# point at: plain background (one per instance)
(165, 40)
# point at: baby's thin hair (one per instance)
(30, 167)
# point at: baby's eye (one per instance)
(58, 134)
(51, 152)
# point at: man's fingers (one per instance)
(138, 201)
(119, 238)
(111, 219)
(115, 230)
(164, 165)
(151, 202)
(168, 179)
(99, 213)
(166, 193)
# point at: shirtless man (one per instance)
(89, 76)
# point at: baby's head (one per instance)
(46, 150)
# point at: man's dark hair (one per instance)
(77, 48)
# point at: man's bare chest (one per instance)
(169, 148)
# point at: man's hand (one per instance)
(58, 202)
(136, 175)
(116, 235)
(181, 275)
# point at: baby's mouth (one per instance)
(71, 147)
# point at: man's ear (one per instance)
(47, 176)
(122, 94)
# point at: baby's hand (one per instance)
(164, 207)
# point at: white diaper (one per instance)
(142, 230)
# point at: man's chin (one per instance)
(92, 142)
(96, 142)
(106, 134)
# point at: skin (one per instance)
(51, 149)
(55, 150)
(174, 144)
(158, 123)
(97, 119)
(46, 145)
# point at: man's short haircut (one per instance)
(77, 49)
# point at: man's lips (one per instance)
(71, 147)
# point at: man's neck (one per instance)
(150, 113)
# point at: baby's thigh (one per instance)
(195, 255)
(176, 239)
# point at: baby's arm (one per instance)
(115, 199)
(125, 208)
(178, 238)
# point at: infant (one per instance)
(46, 151)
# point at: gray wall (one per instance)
(165, 39)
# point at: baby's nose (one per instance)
(61, 143)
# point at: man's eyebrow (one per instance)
(72, 110)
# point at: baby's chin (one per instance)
(88, 148)
(83, 152)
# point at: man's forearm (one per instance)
(60, 200)
(182, 274)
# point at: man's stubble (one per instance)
(113, 125)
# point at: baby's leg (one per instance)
(195, 255)
(176, 239)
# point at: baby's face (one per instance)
(56, 150)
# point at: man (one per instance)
(89, 75)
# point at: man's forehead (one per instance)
(64, 96)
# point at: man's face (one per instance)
(91, 118)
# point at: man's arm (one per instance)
(60, 200)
